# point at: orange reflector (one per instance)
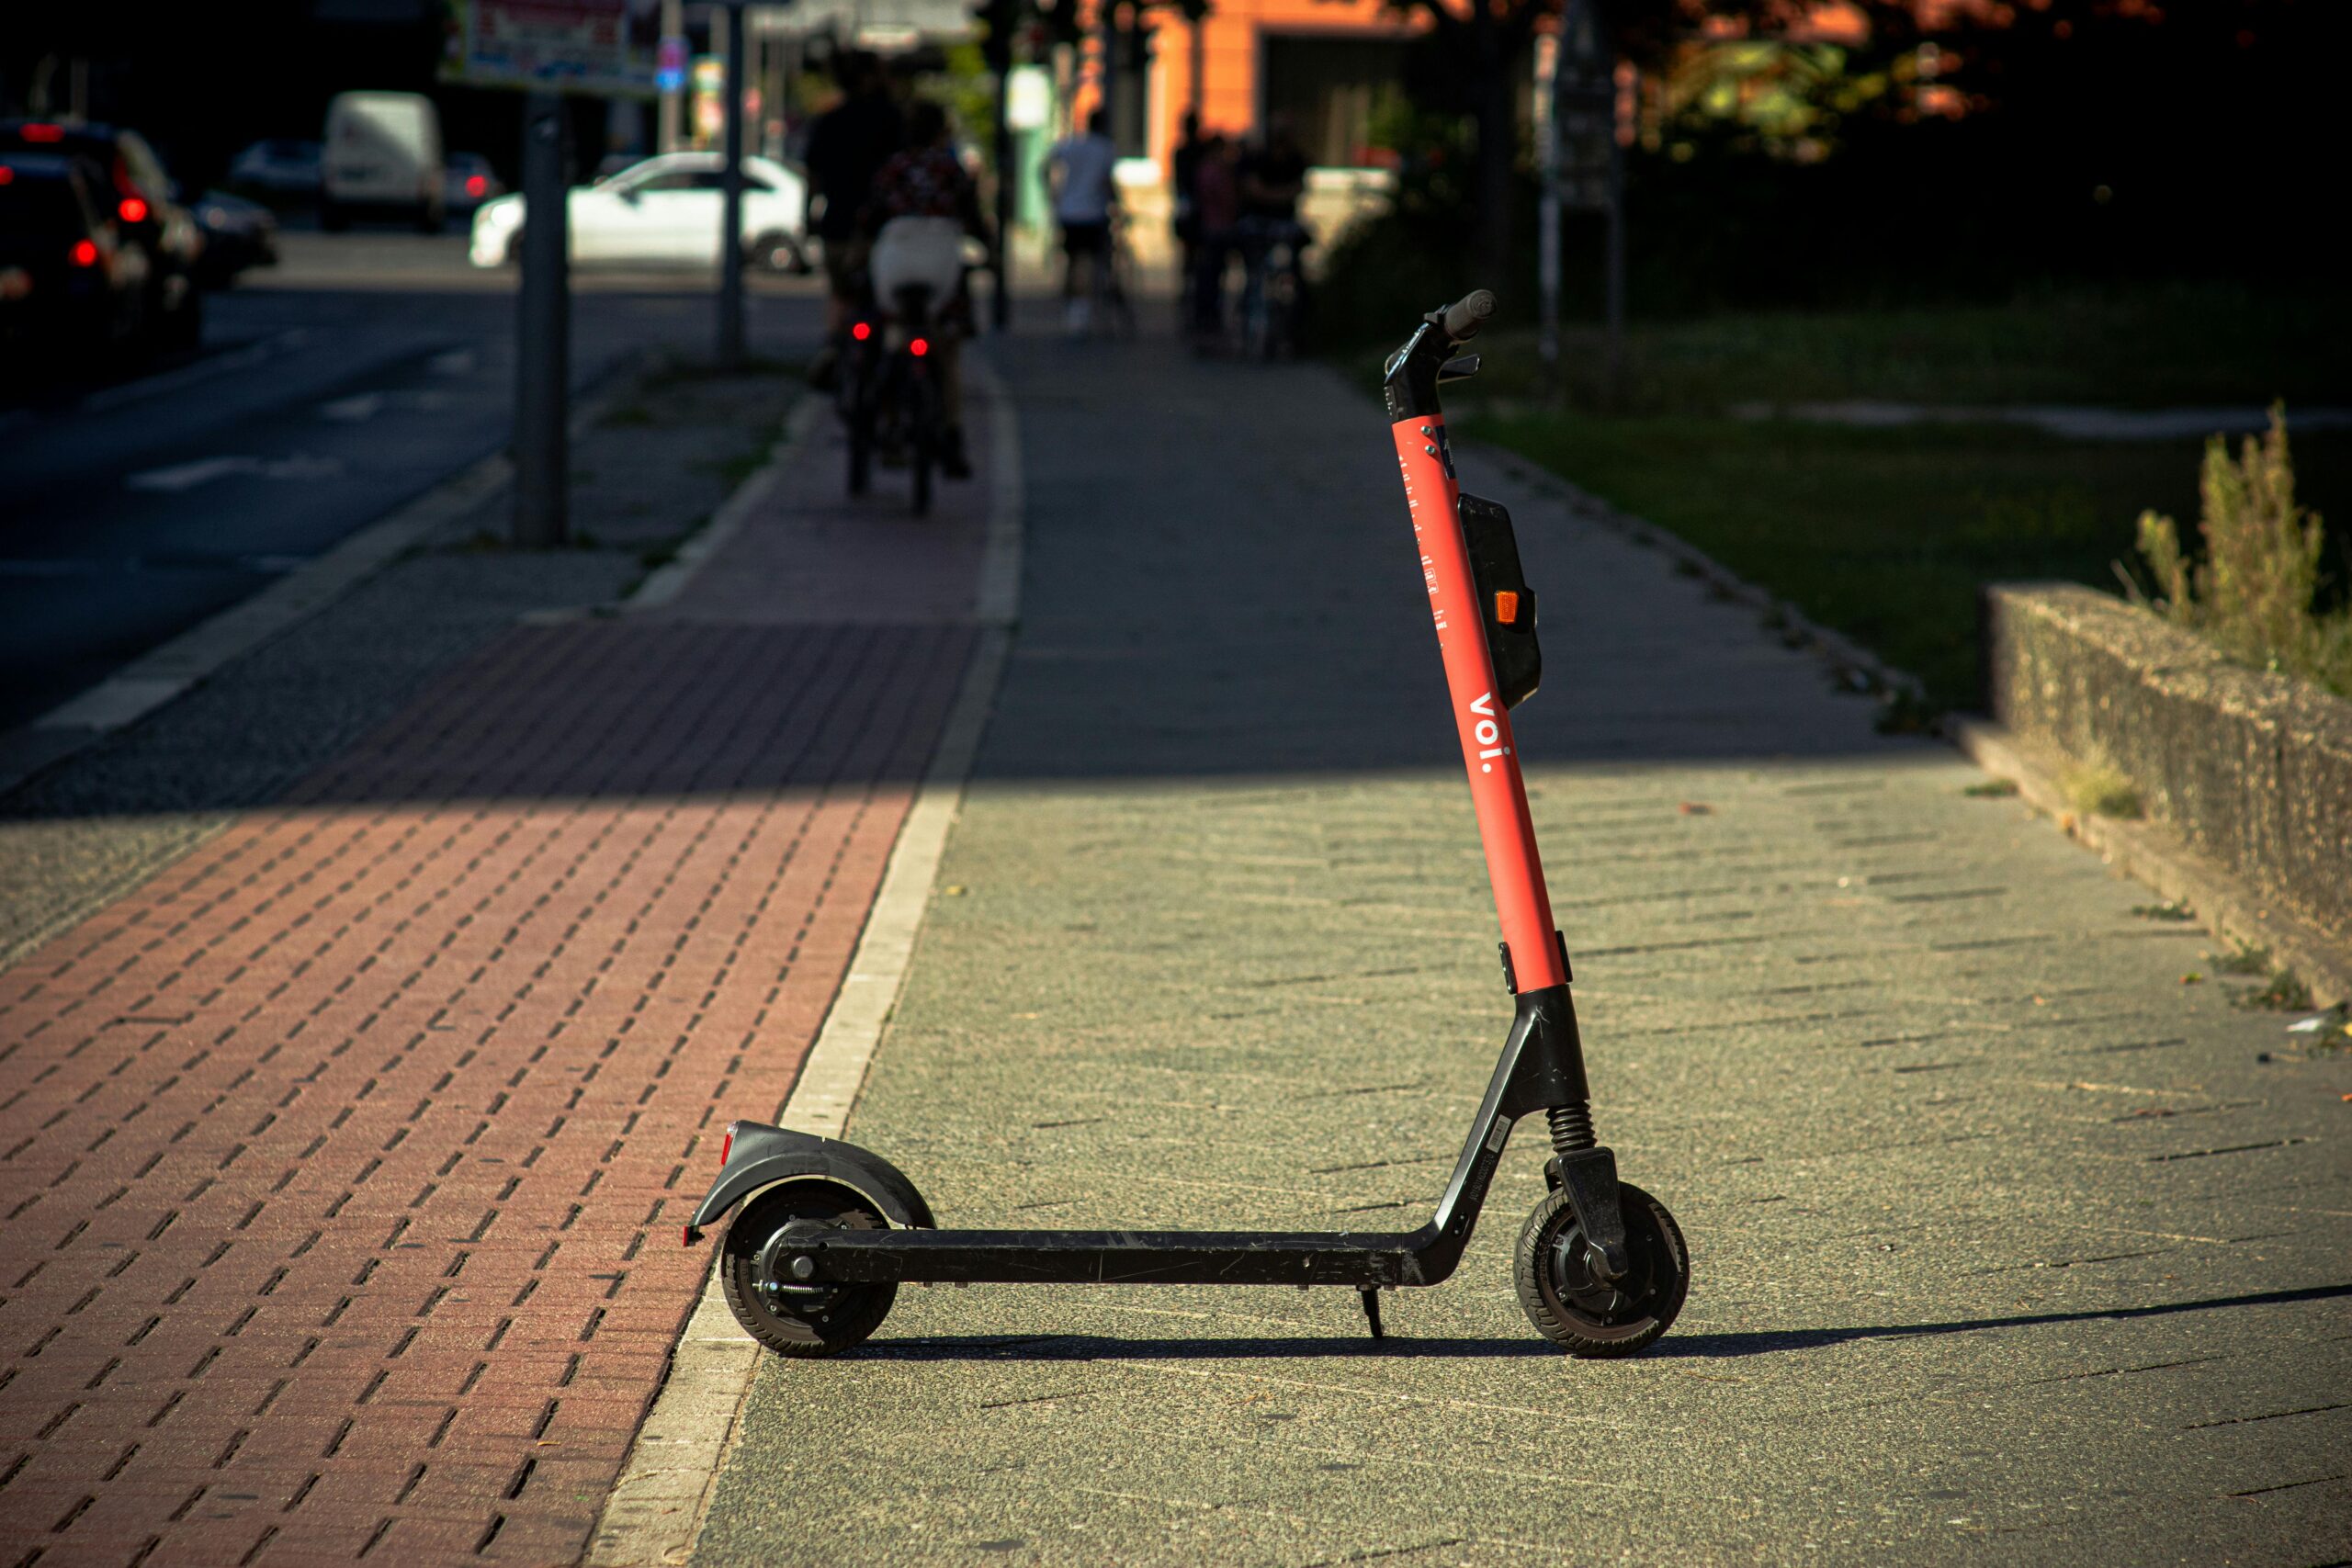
(920, 347)
(861, 332)
(1507, 607)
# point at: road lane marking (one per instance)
(352, 410)
(182, 477)
(188, 375)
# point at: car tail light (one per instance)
(85, 253)
(39, 131)
(134, 209)
(919, 347)
(476, 185)
(7, 174)
(861, 332)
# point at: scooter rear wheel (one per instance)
(789, 1318)
(1571, 1307)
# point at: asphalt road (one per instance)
(359, 372)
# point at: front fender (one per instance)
(760, 1155)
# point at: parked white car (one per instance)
(665, 211)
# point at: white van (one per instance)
(383, 156)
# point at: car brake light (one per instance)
(7, 174)
(134, 209)
(919, 347)
(861, 332)
(476, 185)
(85, 253)
(40, 132)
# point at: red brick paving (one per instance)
(342, 1163)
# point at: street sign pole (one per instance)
(1547, 245)
(543, 323)
(731, 237)
(671, 74)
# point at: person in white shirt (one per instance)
(1079, 177)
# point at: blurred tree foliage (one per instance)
(2006, 144)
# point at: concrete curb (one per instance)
(665, 584)
(656, 1510)
(2224, 902)
(163, 673)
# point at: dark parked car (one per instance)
(128, 176)
(283, 168)
(72, 291)
(237, 234)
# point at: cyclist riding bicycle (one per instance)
(847, 147)
(925, 204)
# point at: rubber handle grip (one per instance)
(1467, 314)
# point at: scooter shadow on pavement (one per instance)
(1105, 1347)
(1703, 1346)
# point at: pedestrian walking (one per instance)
(1079, 177)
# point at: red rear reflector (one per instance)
(919, 347)
(727, 1145)
(1507, 607)
(39, 132)
(861, 332)
(85, 253)
(476, 185)
(134, 210)
(692, 1235)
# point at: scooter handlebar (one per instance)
(1461, 319)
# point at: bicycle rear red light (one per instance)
(862, 331)
(920, 347)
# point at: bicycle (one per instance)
(1274, 288)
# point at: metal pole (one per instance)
(1199, 64)
(1547, 250)
(1109, 72)
(1001, 303)
(543, 345)
(1616, 283)
(730, 235)
(674, 23)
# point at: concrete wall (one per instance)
(2253, 769)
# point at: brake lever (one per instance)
(1460, 368)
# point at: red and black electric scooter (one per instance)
(827, 1230)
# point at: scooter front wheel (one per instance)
(1577, 1311)
(789, 1317)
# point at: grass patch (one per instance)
(2174, 910)
(2284, 991)
(630, 416)
(2096, 787)
(1885, 535)
(1991, 789)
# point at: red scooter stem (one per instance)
(1488, 751)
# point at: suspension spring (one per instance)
(1571, 1126)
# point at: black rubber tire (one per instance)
(923, 461)
(861, 452)
(801, 1321)
(1574, 1311)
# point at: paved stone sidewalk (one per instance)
(344, 1160)
(2009, 1245)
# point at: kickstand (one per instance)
(1371, 1312)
